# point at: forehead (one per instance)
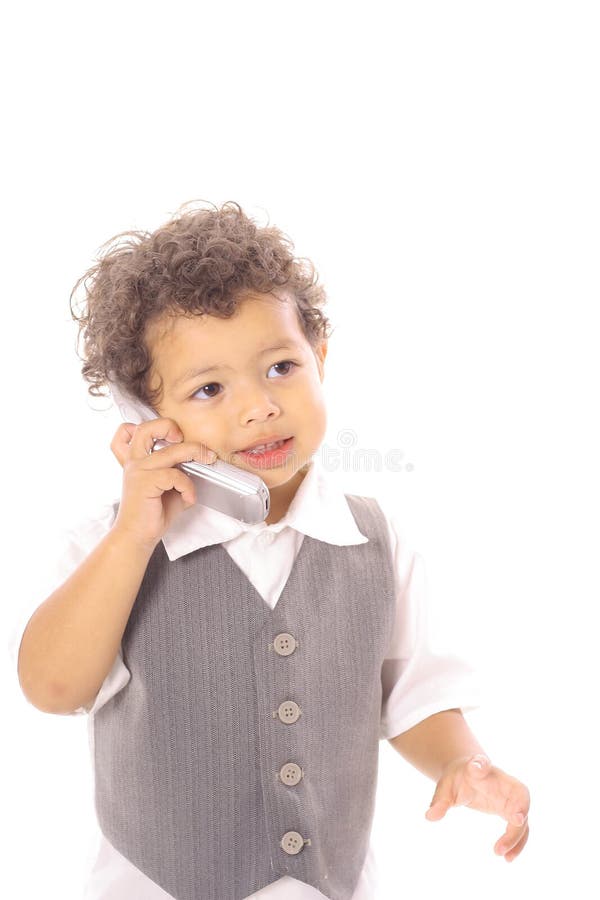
(175, 339)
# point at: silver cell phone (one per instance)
(220, 485)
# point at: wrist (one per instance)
(122, 538)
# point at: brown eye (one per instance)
(203, 388)
(285, 362)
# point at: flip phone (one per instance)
(220, 485)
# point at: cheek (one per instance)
(203, 430)
(316, 409)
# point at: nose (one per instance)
(257, 406)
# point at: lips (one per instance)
(265, 442)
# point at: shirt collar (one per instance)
(319, 509)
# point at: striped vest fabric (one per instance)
(245, 745)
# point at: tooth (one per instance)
(262, 447)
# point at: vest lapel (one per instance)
(288, 587)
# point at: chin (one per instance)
(281, 475)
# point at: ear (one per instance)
(320, 352)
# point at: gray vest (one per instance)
(245, 746)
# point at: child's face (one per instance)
(250, 392)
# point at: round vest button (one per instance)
(292, 842)
(284, 644)
(288, 711)
(290, 773)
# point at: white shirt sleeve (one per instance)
(416, 681)
(61, 555)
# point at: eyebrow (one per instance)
(194, 373)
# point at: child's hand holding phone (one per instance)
(154, 490)
(222, 486)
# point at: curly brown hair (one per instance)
(199, 262)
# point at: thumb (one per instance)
(439, 805)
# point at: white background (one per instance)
(438, 162)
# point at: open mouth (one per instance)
(262, 448)
(273, 453)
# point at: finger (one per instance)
(121, 440)
(173, 454)
(146, 433)
(518, 818)
(510, 838)
(513, 846)
(517, 805)
(438, 810)
(186, 487)
(164, 480)
(518, 847)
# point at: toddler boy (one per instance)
(238, 678)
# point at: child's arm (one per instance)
(436, 741)
(72, 639)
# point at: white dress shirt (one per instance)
(416, 682)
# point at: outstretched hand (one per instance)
(474, 782)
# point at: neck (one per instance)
(281, 497)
